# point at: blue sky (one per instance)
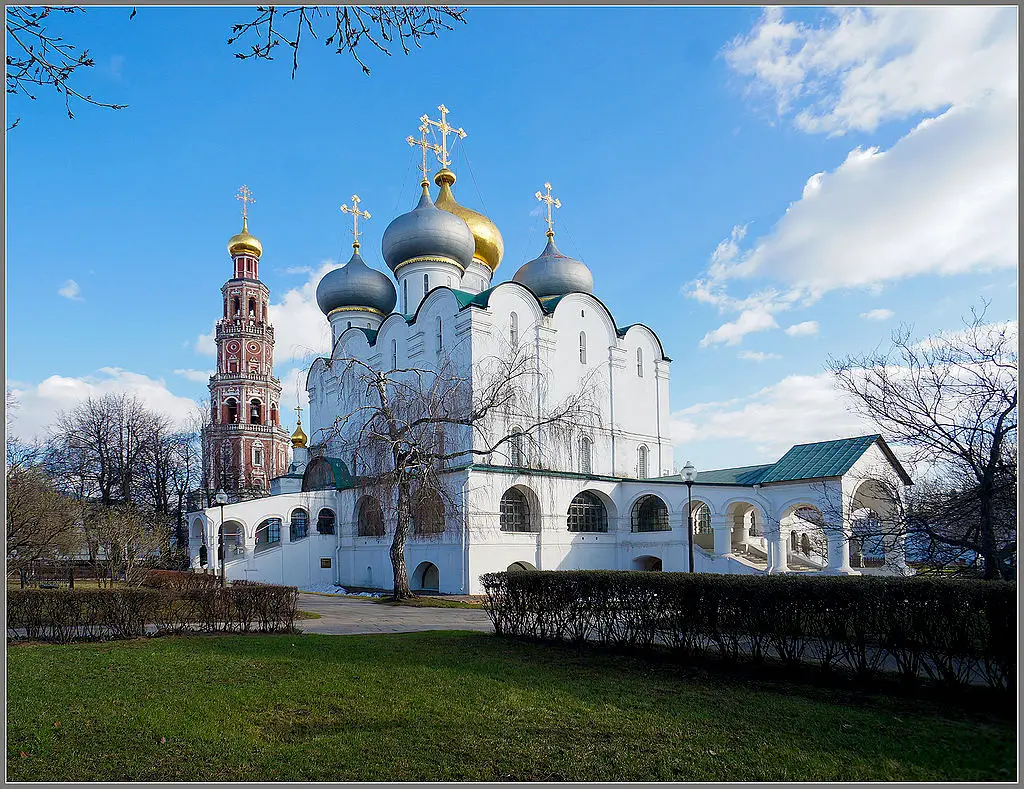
(727, 174)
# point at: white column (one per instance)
(839, 550)
(895, 555)
(723, 534)
(777, 554)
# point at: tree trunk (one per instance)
(402, 590)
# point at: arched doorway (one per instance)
(426, 578)
(234, 540)
(648, 563)
(520, 566)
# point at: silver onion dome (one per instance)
(427, 231)
(554, 274)
(356, 285)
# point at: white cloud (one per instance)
(300, 329)
(757, 356)
(198, 376)
(880, 314)
(39, 404)
(941, 200)
(861, 67)
(298, 270)
(206, 344)
(749, 321)
(798, 409)
(70, 290)
(804, 329)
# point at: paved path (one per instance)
(344, 616)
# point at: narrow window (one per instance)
(255, 413)
(440, 336)
(235, 305)
(583, 347)
(257, 456)
(394, 354)
(513, 329)
(516, 458)
(426, 283)
(640, 362)
(252, 308)
(641, 465)
(350, 324)
(585, 455)
(405, 296)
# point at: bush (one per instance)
(179, 581)
(952, 631)
(74, 615)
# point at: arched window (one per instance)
(513, 330)
(394, 354)
(255, 412)
(268, 533)
(587, 513)
(440, 335)
(515, 511)
(427, 512)
(225, 306)
(641, 462)
(426, 284)
(702, 519)
(516, 455)
(350, 324)
(369, 518)
(299, 525)
(257, 455)
(273, 413)
(236, 305)
(405, 296)
(640, 362)
(325, 522)
(264, 311)
(649, 514)
(232, 414)
(252, 307)
(583, 347)
(586, 454)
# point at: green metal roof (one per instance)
(371, 335)
(803, 461)
(822, 459)
(742, 475)
(466, 299)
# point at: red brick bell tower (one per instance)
(245, 446)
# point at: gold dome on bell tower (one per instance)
(245, 243)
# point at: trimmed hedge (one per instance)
(952, 631)
(93, 614)
(178, 580)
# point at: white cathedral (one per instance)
(604, 497)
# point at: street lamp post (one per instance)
(221, 498)
(688, 477)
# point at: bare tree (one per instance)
(951, 403)
(407, 429)
(347, 28)
(38, 57)
(40, 520)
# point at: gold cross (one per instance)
(298, 410)
(245, 195)
(551, 201)
(445, 131)
(422, 142)
(356, 213)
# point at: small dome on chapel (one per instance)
(356, 285)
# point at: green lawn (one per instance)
(455, 706)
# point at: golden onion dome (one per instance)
(298, 437)
(489, 244)
(245, 243)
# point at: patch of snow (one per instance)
(338, 591)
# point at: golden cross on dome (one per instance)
(245, 195)
(356, 213)
(552, 202)
(298, 410)
(445, 130)
(422, 142)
